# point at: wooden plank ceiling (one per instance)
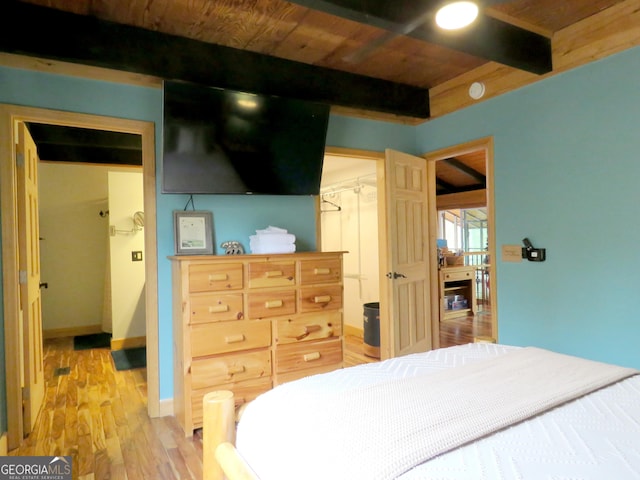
(374, 57)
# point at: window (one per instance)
(464, 229)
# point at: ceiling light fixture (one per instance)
(456, 15)
(247, 103)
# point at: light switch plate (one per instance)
(511, 253)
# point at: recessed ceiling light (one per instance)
(247, 103)
(456, 15)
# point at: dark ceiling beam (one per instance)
(62, 135)
(50, 152)
(446, 186)
(487, 37)
(467, 170)
(90, 41)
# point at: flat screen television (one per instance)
(223, 141)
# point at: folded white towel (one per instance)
(271, 229)
(272, 240)
(279, 248)
(286, 238)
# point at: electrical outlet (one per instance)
(136, 256)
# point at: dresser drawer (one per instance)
(212, 277)
(210, 371)
(222, 337)
(303, 355)
(320, 298)
(242, 393)
(304, 328)
(272, 274)
(298, 374)
(211, 307)
(328, 270)
(459, 275)
(272, 303)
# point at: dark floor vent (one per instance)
(61, 371)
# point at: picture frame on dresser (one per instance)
(193, 232)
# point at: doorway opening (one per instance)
(10, 117)
(91, 209)
(349, 223)
(463, 218)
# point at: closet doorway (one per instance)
(349, 222)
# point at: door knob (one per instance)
(44, 285)
(395, 275)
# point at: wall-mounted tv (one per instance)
(224, 141)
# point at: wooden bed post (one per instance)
(219, 426)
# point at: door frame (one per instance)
(9, 116)
(485, 144)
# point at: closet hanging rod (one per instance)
(350, 184)
(337, 207)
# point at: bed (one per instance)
(476, 411)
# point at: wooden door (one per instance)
(408, 288)
(29, 277)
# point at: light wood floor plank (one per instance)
(97, 415)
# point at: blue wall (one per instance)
(567, 175)
(234, 217)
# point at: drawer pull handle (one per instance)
(219, 308)
(310, 357)
(309, 329)
(218, 277)
(273, 273)
(235, 369)
(273, 304)
(322, 299)
(234, 338)
(321, 271)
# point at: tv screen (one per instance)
(224, 141)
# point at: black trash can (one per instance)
(372, 329)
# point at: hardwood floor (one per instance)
(461, 330)
(354, 352)
(455, 331)
(98, 416)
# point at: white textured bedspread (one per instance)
(367, 423)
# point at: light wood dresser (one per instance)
(249, 322)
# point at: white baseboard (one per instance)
(166, 407)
